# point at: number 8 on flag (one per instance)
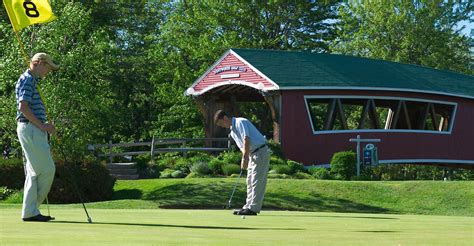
(23, 13)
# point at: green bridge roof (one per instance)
(304, 70)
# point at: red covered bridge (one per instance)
(317, 102)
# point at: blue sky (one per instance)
(468, 26)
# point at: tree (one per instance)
(419, 32)
(78, 97)
(195, 33)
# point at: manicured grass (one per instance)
(220, 227)
(398, 197)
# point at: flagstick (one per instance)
(22, 48)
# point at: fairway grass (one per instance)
(220, 227)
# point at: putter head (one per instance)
(89, 220)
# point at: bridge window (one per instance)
(377, 113)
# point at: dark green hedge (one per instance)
(12, 174)
(91, 179)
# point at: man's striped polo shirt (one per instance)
(26, 91)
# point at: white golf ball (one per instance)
(243, 216)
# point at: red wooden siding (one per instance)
(300, 144)
(249, 76)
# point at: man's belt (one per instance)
(22, 120)
(258, 148)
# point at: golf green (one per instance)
(220, 227)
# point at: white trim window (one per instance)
(336, 113)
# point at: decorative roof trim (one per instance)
(276, 86)
(191, 92)
(259, 86)
(191, 88)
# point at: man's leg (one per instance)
(258, 170)
(30, 204)
(261, 173)
(250, 177)
(39, 167)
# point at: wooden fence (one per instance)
(107, 150)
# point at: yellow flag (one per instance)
(23, 13)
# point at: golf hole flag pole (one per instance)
(23, 13)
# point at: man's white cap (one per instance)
(45, 57)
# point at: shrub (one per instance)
(320, 173)
(343, 165)
(200, 168)
(90, 179)
(236, 175)
(5, 192)
(276, 149)
(12, 174)
(276, 161)
(231, 157)
(178, 174)
(166, 173)
(142, 161)
(215, 165)
(278, 176)
(15, 197)
(183, 164)
(302, 175)
(282, 169)
(229, 169)
(295, 167)
(200, 157)
(166, 162)
(152, 171)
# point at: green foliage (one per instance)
(276, 149)
(183, 164)
(295, 167)
(415, 32)
(302, 175)
(278, 176)
(178, 174)
(91, 179)
(229, 169)
(167, 173)
(231, 157)
(200, 168)
(5, 192)
(320, 173)
(15, 197)
(277, 161)
(215, 165)
(142, 161)
(282, 169)
(343, 165)
(12, 174)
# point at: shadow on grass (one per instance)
(178, 226)
(189, 195)
(378, 231)
(329, 216)
(316, 202)
(127, 194)
(215, 195)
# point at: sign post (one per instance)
(359, 140)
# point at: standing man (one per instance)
(33, 131)
(255, 156)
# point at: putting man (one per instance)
(33, 131)
(255, 158)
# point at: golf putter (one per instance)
(233, 191)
